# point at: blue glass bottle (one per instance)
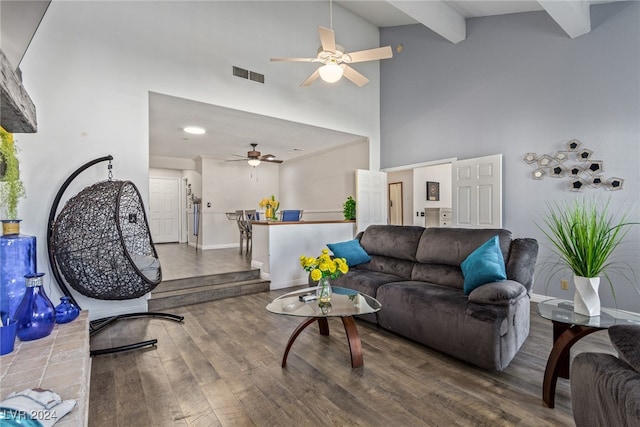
(17, 259)
(66, 311)
(35, 314)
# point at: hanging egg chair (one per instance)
(100, 245)
(103, 245)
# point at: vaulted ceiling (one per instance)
(447, 18)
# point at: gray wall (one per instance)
(519, 84)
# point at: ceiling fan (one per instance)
(336, 61)
(254, 158)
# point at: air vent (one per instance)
(249, 75)
(256, 77)
(240, 72)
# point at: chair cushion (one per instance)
(484, 265)
(626, 340)
(351, 251)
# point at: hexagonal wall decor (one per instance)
(582, 172)
(615, 184)
(573, 145)
(558, 171)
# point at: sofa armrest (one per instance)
(626, 340)
(605, 391)
(498, 293)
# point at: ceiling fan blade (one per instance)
(354, 76)
(384, 52)
(293, 59)
(327, 38)
(312, 78)
(242, 157)
(270, 158)
(237, 160)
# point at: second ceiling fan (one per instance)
(254, 157)
(336, 61)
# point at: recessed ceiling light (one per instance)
(195, 130)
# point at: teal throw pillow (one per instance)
(484, 265)
(351, 251)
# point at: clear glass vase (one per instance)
(35, 315)
(324, 290)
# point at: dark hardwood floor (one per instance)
(221, 367)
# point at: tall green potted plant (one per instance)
(584, 235)
(11, 188)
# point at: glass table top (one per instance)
(561, 310)
(344, 302)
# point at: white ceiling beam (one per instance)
(573, 16)
(437, 16)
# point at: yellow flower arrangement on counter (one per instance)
(324, 266)
(270, 206)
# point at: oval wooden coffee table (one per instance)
(345, 303)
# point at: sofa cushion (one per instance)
(392, 241)
(626, 340)
(446, 275)
(450, 246)
(351, 251)
(364, 281)
(398, 267)
(484, 265)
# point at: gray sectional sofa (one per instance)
(415, 274)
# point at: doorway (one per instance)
(395, 204)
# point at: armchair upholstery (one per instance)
(605, 390)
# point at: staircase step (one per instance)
(194, 295)
(212, 279)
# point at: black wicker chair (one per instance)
(101, 246)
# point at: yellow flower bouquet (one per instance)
(324, 266)
(270, 206)
(322, 269)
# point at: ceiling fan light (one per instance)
(253, 162)
(331, 72)
(195, 130)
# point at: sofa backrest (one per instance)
(435, 254)
(441, 251)
(397, 241)
(392, 248)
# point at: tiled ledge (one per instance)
(59, 362)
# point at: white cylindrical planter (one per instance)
(586, 300)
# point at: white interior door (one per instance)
(164, 212)
(477, 192)
(371, 200)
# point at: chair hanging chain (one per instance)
(110, 168)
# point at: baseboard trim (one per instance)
(539, 298)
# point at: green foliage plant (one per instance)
(11, 188)
(349, 209)
(584, 235)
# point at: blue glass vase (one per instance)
(66, 311)
(17, 259)
(35, 314)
